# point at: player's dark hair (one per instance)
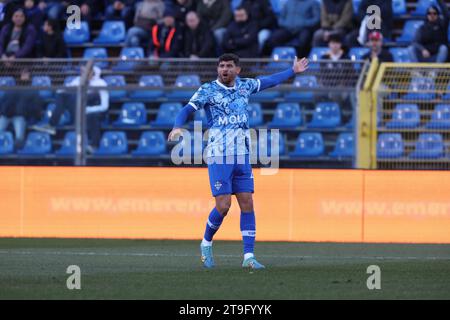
(229, 57)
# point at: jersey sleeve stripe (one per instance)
(193, 105)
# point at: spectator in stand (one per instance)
(120, 10)
(199, 40)
(335, 18)
(97, 104)
(9, 7)
(18, 38)
(52, 44)
(333, 65)
(359, 37)
(241, 36)
(34, 14)
(262, 13)
(148, 13)
(181, 8)
(19, 107)
(376, 48)
(297, 21)
(430, 44)
(336, 51)
(218, 15)
(167, 37)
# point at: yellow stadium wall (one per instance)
(173, 203)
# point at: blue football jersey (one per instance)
(227, 115)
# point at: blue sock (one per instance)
(214, 221)
(248, 230)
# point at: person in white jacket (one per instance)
(96, 105)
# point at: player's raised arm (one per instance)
(272, 80)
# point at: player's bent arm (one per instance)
(180, 120)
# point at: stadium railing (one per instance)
(411, 117)
(130, 87)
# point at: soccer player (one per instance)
(225, 102)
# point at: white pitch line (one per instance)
(154, 254)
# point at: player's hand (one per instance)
(174, 134)
(300, 65)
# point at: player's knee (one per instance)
(247, 204)
(223, 207)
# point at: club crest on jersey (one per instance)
(218, 185)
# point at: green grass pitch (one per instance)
(147, 269)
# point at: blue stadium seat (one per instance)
(422, 6)
(399, 7)
(356, 4)
(151, 143)
(166, 114)
(428, 146)
(287, 115)
(400, 55)
(409, 31)
(77, 36)
(300, 95)
(351, 123)
(187, 85)
(68, 147)
(6, 81)
(43, 81)
(315, 54)
(265, 144)
(405, 116)
(132, 114)
(281, 53)
(326, 115)
(65, 117)
(155, 82)
(6, 143)
(200, 115)
(97, 53)
(235, 4)
(344, 147)
(277, 5)
(440, 119)
(112, 32)
(356, 53)
(390, 146)
(421, 84)
(255, 114)
(37, 143)
(112, 143)
(309, 144)
(127, 55)
(69, 79)
(116, 81)
(446, 96)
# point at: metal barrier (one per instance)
(325, 81)
(412, 112)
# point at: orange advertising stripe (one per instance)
(173, 203)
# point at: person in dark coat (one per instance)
(262, 13)
(18, 38)
(199, 41)
(376, 48)
(19, 107)
(120, 10)
(217, 13)
(241, 36)
(52, 44)
(430, 43)
(181, 9)
(166, 37)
